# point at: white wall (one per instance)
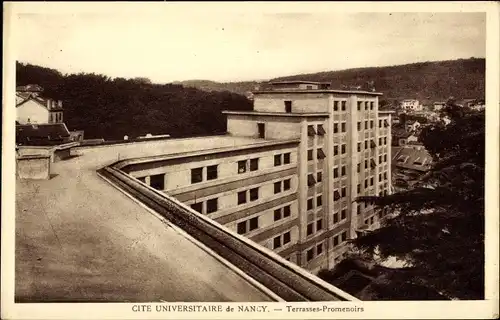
(301, 103)
(33, 111)
(247, 127)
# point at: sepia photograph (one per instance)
(174, 158)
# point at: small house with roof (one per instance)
(32, 108)
(409, 163)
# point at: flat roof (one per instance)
(319, 91)
(296, 81)
(280, 114)
(80, 239)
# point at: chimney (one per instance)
(49, 104)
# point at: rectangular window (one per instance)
(310, 230)
(242, 197)
(359, 105)
(254, 223)
(286, 184)
(197, 207)
(335, 217)
(366, 144)
(319, 249)
(359, 125)
(343, 171)
(343, 236)
(359, 209)
(385, 140)
(310, 131)
(366, 183)
(321, 130)
(319, 176)
(371, 181)
(254, 194)
(359, 189)
(358, 167)
(343, 214)
(371, 124)
(277, 214)
(380, 123)
(319, 225)
(366, 164)
(335, 241)
(310, 180)
(336, 195)
(319, 201)
(309, 204)
(335, 173)
(344, 191)
(343, 148)
(309, 155)
(286, 158)
(277, 160)
(366, 125)
(343, 127)
(380, 159)
(286, 237)
(262, 130)
(277, 242)
(335, 150)
(310, 254)
(335, 128)
(242, 166)
(379, 177)
(254, 164)
(359, 146)
(212, 172)
(343, 105)
(385, 158)
(380, 141)
(288, 106)
(241, 227)
(371, 105)
(157, 181)
(321, 154)
(286, 211)
(366, 105)
(212, 205)
(277, 187)
(335, 106)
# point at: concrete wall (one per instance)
(275, 127)
(301, 103)
(33, 167)
(32, 111)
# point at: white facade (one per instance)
(411, 105)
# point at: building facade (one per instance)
(32, 109)
(411, 105)
(313, 151)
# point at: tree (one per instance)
(439, 225)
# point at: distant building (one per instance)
(409, 163)
(298, 85)
(412, 125)
(31, 108)
(42, 134)
(76, 135)
(438, 106)
(411, 105)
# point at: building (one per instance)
(32, 108)
(412, 125)
(42, 134)
(439, 105)
(309, 152)
(411, 105)
(409, 164)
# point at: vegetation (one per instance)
(440, 226)
(112, 108)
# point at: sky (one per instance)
(171, 44)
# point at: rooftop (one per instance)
(412, 157)
(331, 91)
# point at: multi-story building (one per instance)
(290, 179)
(411, 105)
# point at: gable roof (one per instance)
(47, 133)
(412, 158)
(23, 97)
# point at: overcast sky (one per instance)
(174, 45)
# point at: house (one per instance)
(412, 125)
(42, 134)
(439, 105)
(31, 108)
(411, 105)
(409, 163)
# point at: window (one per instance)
(157, 181)
(212, 172)
(385, 158)
(359, 125)
(310, 254)
(242, 197)
(359, 189)
(366, 144)
(142, 179)
(336, 195)
(277, 160)
(379, 177)
(380, 159)
(385, 140)
(309, 155)
(286, 237)
(212, 205)
(343, 105)
(254, 223)
(366, 164)
(241, 227)
(286, 184)
(359, 146)
(319, 225)
(343, 214)
(277, 187)
(310, 230)
(343, 236)
(366, 183)
(310, 180)
(310, 131)
(319, 176)
(254, 164)
(366, 125)
(366, 105)
(309, 204)
(373, 164)
(371, 105)
(371, 124)
(359, 105)
(335, 150)
(343, 148)
(321, 130)
(319, 249)
(343, 125)
(277, 242)
(197, 207)
(254, 194)
(358, 209)
(343, 171)
(372, 144)
(335, 106)
(358, 169)
(321, 154)
(335, 217)
(286, 158)
(319, 201)
(335, 127)
(380, 141)
(385, 175)
(262, 130)
(335, 173)
(335, 241)
(277, 214)
(286, 211)
(344, 191)
(288, 106)
(242, 166)
(380, 123)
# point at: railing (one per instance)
(285, 279)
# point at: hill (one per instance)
(425, 81)
(112, 108)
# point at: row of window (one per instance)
(281, 240)
(320, 130)
(248, 195)
(342, 194)
(370, 124)
(340, 217)
(247, 225)
(343, 150)
(311, 227)
(280, 159)
(343, 127)
(315, 251)
(342, 172)
(343, 105)
(373, 165)
(372, 145)
(320, 154)
(207, 206)
(310, 202)
(367, 104)
(280, 186)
